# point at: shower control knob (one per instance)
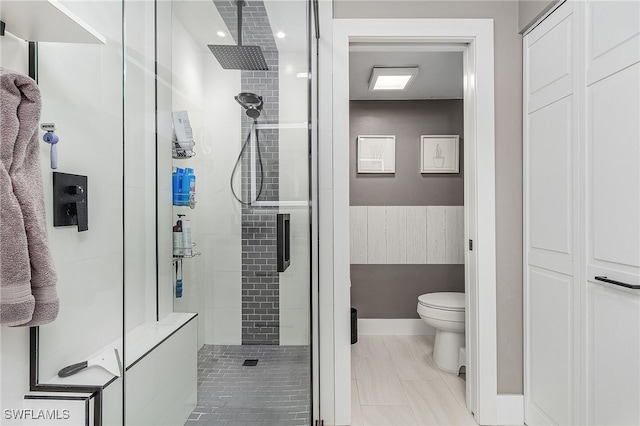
(76, 190)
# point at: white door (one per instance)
(612, 133)
(552, 294)
(471, 258)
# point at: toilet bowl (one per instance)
(444, 312)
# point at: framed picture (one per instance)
(376, 154)
(439, 154)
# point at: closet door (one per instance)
(612, 214)
(551, 210)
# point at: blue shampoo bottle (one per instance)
(176, 183)
(187, 179)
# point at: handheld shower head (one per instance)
(251, 102)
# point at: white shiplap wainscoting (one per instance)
(407, 234)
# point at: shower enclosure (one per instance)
(219, 329)
(252, 166)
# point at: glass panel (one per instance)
(81, 87)
(144, 383)
(250, 310)
(113, 106)
(140, 168)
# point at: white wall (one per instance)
(84, 98)
(82, 93)
(221, 213)
(294, 186)
(14, 53)
(529, 11)
(139, 166)
(164, 95)
(212, 282)
(187, 94)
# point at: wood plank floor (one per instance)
(394, 382)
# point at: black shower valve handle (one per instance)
(70, 201)
(75, 190)
(82, 216)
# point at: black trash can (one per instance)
(354, 325)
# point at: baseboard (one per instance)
(394, 327)
(510, 409)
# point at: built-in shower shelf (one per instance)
(182, 154)
(194, 254)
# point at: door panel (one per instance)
(551, 221)
(550, 176)
(613, 37)
(590, 372)
(613, 136)
(551, 350)
(613, 356)
(549, 57)
(612, 314)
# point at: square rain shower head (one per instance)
(249, 58)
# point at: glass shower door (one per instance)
(250, 224)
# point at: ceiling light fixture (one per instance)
(391, 78)
(280, 34)
(221, 34)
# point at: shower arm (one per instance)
(240, 4)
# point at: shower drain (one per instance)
(250, 362)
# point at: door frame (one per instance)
(477, 35)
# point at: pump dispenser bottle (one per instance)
(178, 246)
(187, 245)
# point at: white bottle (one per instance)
(178, 245)
(187, 245)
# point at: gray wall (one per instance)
(508, 129)
(407, 120)
(391, 291)
(529, 11)
(260, 278)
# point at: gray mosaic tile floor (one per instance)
(276, 392)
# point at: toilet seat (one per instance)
(446, 301)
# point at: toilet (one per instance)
(444, 312)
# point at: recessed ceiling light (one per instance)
(221, 34)
(280, 34)
(302, 75)
(391, 78)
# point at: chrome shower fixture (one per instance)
(252, 105)
(251, 102)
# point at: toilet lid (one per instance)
(449, 301)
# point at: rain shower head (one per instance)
(251, 102)
(248, 58)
